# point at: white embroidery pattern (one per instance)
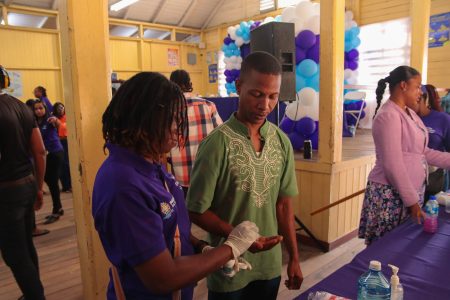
(254, 175)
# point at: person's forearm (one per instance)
(185, 270)
(286, 227)
(210, 222)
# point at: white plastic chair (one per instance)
(352, 96)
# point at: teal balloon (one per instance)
(313, 82)
(356, 42)
(300, 83)
(307, 67)
(348, 46)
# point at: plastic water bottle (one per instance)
(372, 285)
(432, 211)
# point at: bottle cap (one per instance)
(375, 265)
(395, 280)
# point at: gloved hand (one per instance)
(242, 237)
(232, 266)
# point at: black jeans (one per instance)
(259, 289)
(52, 170)
(16, 241)
(64, 175)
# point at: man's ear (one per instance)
(238, 84)
(403, 85)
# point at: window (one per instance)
(266, 5)
(123, 30)
(384, 46)
(157, 34)
(29, 20)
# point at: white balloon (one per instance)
(233, 95)
(293, 111)
(304, 9)
(353, 24)
(288, 14)
(239, 59)
(316, 7)
(269, 19)
(313, 24)
(351, 80)
(299, 25)
(347, 73)
(307, 96)
(237, 66)
(239, 41)
(231, 29)
(313, 110)
(348, 15)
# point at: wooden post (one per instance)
(5, 15)
(420, 25)
(87, 90)
(332, 24)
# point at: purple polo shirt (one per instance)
(136, 217)
(438, 125)
(50, 137)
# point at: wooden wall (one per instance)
(36, 55)
(320, 185)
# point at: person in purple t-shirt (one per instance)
(438, 125)
(40, 93)
(138, 207)
(48, 125)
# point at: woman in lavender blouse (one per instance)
(396, 185)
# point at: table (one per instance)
(228, 105)
(423, 259)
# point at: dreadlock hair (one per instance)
(433, 97)
(262, 62)
(183, 79)
(141, 113)
(43, 90)
(4, 78)
(399, 74)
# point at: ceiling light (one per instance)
(122, 4)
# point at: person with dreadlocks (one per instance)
(396, 185)
(20, 189)
(138, 207)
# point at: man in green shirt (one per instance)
(244, 170)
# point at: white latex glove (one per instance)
(242, 237)
(231, 267)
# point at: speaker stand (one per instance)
(310, 234)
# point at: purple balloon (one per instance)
(235, 73)
(352, 65)
(227, 40)
(314, 53)
(287, 125)
(227, 73)
(296, 140)
(363, 114)
(257, 23)
(345, 64)
(305, 126)
(245, 50)
(305, 39)
(299, 55)
(352, 54)
(229, 79)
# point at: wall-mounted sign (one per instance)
(439, 30)
(173, 58)
(212, 73)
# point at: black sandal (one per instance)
(59, 213)
(52, 219)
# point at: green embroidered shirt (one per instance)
(235, 183)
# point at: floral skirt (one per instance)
(382, 211)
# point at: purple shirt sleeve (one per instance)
(387, 134)
(132, 229)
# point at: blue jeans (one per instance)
(259, 289)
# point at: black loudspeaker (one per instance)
(277, 38)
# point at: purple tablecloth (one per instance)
(228, 105)
(423, 259)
